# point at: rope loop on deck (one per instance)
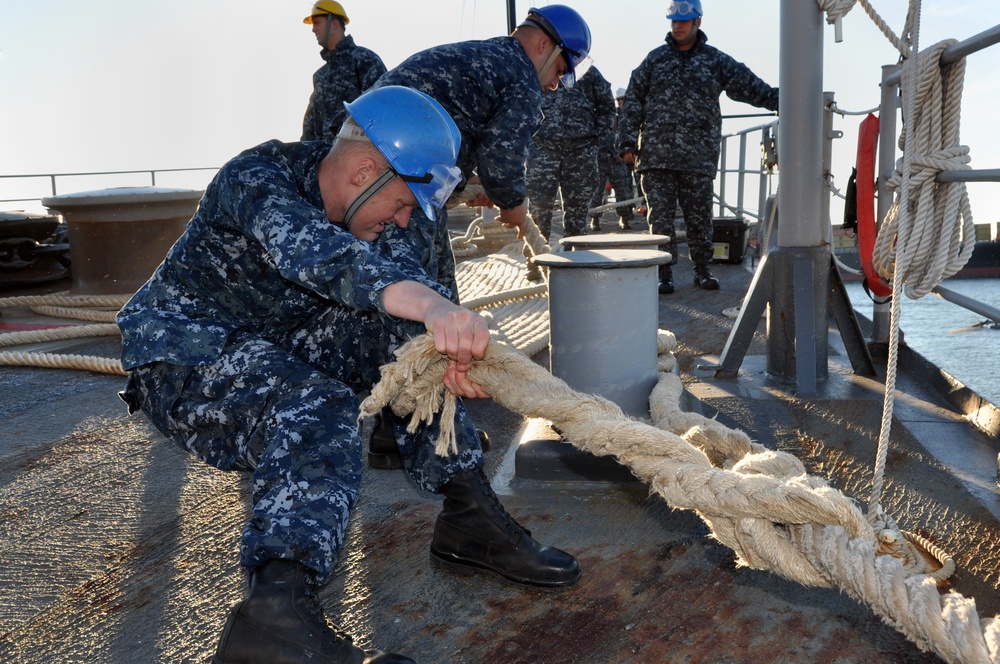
(99, 308)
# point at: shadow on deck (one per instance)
(118, 547)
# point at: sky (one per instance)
(121, 85)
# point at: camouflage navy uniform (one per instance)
(610, 166)
(672, 121)
(349, 71)
(490, 89)
(563, 154)
(249, 344)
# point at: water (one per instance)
(949, 335)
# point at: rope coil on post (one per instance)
(936, 224)
(928, 233)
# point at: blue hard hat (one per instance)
(570, 32)
(684, 10)
(417, 137)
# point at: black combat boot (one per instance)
(704, 279)
(282, 622)
(383, 450)
(474, 533)
(666, 274)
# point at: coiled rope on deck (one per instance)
(74, 307)
(496, 286)
(759, 502)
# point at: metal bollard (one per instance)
(614, 241)
(603, 321)
(119, 236)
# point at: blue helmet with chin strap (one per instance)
(684, 10)
(416, 136)
(570, 32)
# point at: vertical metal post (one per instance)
(762, 182)
(797, 315)
(801, 147)
(741, 175)
(723, 166)
(886, 166)
(829, 134)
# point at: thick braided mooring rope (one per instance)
(759, 502)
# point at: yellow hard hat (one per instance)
(327, 7)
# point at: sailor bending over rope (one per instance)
(250, 343)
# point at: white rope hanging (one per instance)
(932, 221)
(928, 233)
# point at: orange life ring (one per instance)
(867, 145)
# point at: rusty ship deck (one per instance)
(117, 547)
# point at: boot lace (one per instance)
(513, 528)
(319, 617)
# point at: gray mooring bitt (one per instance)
(614, 241)
(603, 321)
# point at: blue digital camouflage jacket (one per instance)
(585, 111)
(349, 70)
(491, 89)
(259, 257)
(671, 118)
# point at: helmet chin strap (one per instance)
(366, 195)
(556, 52)
(326, 31)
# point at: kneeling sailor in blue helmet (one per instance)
(249, 344)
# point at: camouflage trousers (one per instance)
(288, 414)
(569, 166)
(614, 169)
(663, 189)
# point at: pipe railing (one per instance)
(53, 180)
(953, 53)
(743, 169)
(891, 78)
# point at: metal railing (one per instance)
(109, 178)
(764, 170)
(765, 167)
